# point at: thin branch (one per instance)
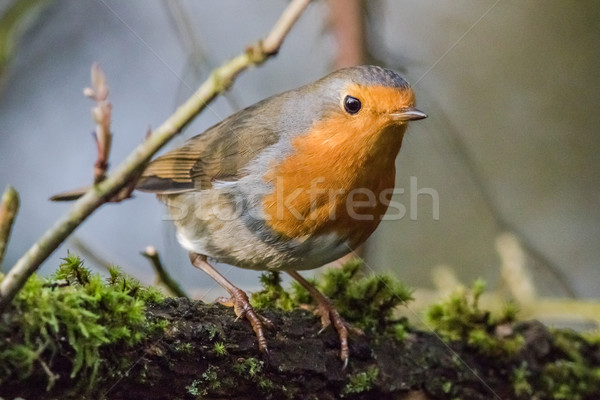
(102, 135)
(102, 116)
(9, 206)
(219, 80)
(163, 277)
(272, 43)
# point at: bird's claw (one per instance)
(330, 315)
(242, 308)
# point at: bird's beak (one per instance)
(408, 114)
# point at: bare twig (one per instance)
(272, 43)
(102, 115)
(219, 80)
(162, 276)
(102, 136)
(9, 206)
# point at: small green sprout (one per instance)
(219, 349)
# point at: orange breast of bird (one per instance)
(338, 178)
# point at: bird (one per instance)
(269, 187)
(291, 183)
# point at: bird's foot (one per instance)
(242, 308)
(329, 315)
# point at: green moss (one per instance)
(459, 318)
(158, 325)
(248, 367)
(592, 338)
(570, 376)
(217, 380)
(273, 295)
(211, 377)
(252, 368)
(219, 349)
(447, 387)
(520, 380)
(193, 388)
(366, 301)
(213, 331)
(570, 380)
(73, 314)
(184, 348)
(400, 331)
(571, 343)
(123, 282)
(209, 381)
(571, 372)
(361, 382)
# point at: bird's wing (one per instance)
(218, 154)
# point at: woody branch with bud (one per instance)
(102, 116)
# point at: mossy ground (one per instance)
(78, 335)
(367, 302)
(459, 318)
(69, 319)
(566, 365)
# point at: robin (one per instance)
(290, 183)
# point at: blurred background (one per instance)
(511, 146)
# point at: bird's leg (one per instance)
(328, 314)
(239, 299)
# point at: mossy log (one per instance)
(204, 352)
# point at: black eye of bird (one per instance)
(352, 105)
